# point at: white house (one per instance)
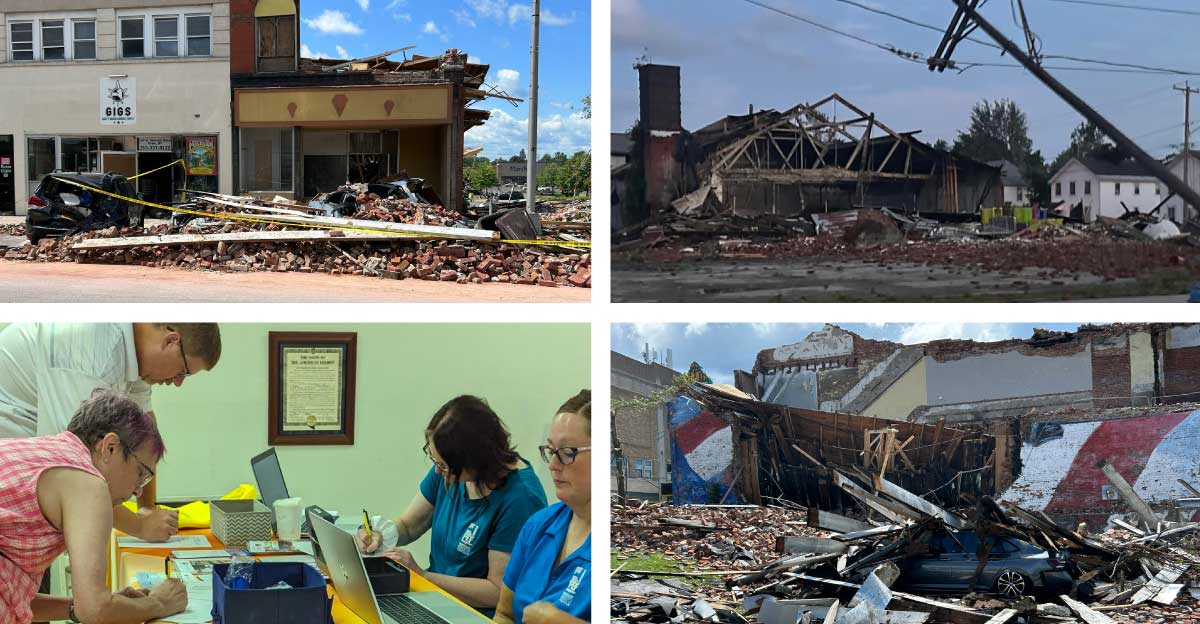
(1016, 187)
(1173, 209)
(89, 87)
(1102, 186)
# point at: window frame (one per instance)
(1117, 188)
(169, 19)
(148, 17)
(75, 41)
(1087, 187)
(33, 41)
(295, 54)
(1058, 188)
(1072, 184)
(121, 38)
(62, 26)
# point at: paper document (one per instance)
(199, 609)
(176, 541)
(266, 548)
(207, 554)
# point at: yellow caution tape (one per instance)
(319, 226)
(178, 162)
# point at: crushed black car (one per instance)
(62, 205)
(344, 201)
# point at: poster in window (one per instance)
(202, 156)
(311, 388)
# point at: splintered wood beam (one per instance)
(918, 503)
(1145, 514)
(834, 522)
(1086, 613)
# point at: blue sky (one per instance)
(495, 32)
(722, 347)
(734, 54)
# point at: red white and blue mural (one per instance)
(701, 455)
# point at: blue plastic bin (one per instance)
(307, 602)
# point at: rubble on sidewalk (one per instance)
(382, 236)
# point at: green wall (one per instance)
(217, 420)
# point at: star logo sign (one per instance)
(118, 93)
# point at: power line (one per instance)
(1116, 5)
(938, 29)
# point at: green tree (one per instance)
(1088, 141)
(942, 145)
(576, 174)
(519, 157)
(551, 175)
(998, 131)
(481, 175)
(587, 107)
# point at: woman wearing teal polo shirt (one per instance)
(548, 579)
(475, 498)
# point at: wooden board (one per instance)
(127, 242)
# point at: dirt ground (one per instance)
(831, 280)
(28, 282)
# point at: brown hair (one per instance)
(109, 412)
(470, 436)
(579, 404)
(203, 340)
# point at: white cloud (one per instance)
(307, 52)
(696, 329)
(396, 4)
(504, 135)
(334, 23)
(488, 8)
(431, 28)
(924, 332)
(403, 17)
(463, 17)
(524, 12)
(342, 53)
(364, 4)
(509, 81)
(471, 58)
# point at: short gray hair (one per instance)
(108, 411)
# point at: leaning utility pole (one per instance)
(1187, 137)
(531, 153)
(958, 29)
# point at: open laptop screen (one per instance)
(269, 477)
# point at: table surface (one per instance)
(127, 562)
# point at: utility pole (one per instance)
(958, 29)
(1187, 139)
(531, 152)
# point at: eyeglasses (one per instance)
(149, 473)
(441, 465)
(187, 372)
(566, 455)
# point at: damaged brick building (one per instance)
(823, 157)
(1029, 420)
(306, 126)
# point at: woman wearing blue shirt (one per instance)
(475, 498)
(548, 579)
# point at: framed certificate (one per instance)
(311, 394)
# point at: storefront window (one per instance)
(41, 159)
(79, 153)
(266, 159)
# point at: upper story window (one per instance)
(133, 33)
(1058, 188)
(54, 44)
(1072, 188)
(1087, 187)
(21, 36)
(53, 37)
(276, 43)
(1116, 188)
(85, 39)
(199, 35)
(166, 35)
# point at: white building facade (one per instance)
(88, 87)
(1174, 208)
(1101, 187)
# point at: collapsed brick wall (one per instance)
(1181, 374)
(1111, 373)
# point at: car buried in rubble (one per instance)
(63, 204)
(1014, 568)
(344, 201)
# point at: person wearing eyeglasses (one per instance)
(548, 579)
(57, 493)
(48, 369)
(474, 499)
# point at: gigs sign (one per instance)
(118, 101)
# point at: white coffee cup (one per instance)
(288, 513)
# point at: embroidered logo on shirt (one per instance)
(468, 539)
(577, 577)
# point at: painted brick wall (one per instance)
(1181, 374)
(1111, 372)
(637, 429)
